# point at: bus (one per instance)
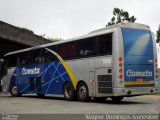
(113, 62)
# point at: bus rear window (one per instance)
(137, 42)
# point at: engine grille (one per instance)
(105, 84)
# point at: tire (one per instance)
(0, 88)
(69, 93)
(41, 95)
(117, 99)
(82, 92)
(100, 99)
(13, 91)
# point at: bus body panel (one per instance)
(118, 51)
(88, 69)
(40, 78)
(138, 57)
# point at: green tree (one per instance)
(158, 35)
(119, 15)
(55, 39)
(28, 30)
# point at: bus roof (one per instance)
(123, 25)
(90, 34)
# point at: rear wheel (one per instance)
(13, 91)
(117, 99)
(82, 92)
(69, 93)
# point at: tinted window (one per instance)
(54, 48)
(137, 42)
(47, 56)
(22, 59)
(33, 56)
(12, 60)
(86, 47)
(67, 50)
(105, 44)
(30, 57)
(4, 66)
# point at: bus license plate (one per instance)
(139, 79)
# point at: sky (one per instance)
(71, 18)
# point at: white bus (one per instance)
(117, 61)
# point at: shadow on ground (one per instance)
(125, 101)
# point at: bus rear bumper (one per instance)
(133, 91)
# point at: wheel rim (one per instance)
(68, 91)
(14, 90)
(82, 92)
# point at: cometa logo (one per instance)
(131, 73)
(33, 71)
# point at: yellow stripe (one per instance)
(138, 83)
(73, 79)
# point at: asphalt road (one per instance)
(31, 104)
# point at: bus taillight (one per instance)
(120, 68)
(120, 64)
(156, 61)
(156, 68)
(120, 76)
(156, 65)
(120, 59)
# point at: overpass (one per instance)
(14, 38)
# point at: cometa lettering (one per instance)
(33, 71)
(131, 73)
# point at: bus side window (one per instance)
(33, 56)
(63, 51)
(12, 60)
(71, 50)
(29, 58)
(47, 56)
(67, 50)
(105, 44)
(53, 48)
(4, 67)
(86, 48)
(22, 61)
